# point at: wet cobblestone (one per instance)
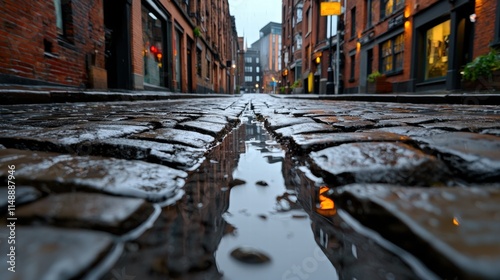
(423, 176)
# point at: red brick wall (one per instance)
(26, 24)
(485, 26)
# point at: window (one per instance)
(208, 69)
(299, 13)
(298, 41)
(64, 18)
(353, 67)
(257, 60)
(257, 69)
(198, 62)
(353, 22)
(309, 20)
(392, 54)
(153, 47)
(389, 7)
(248, 69)
(257, 78)
(369, 14)
(436, 53)
(248, 59)
(248, 79)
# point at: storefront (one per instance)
(443, 44)
(155, 53)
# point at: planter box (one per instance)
(483, 83)
(381, 85)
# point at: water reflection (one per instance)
(267, 218)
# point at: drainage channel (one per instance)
(272, 237)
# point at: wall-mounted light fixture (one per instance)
(473, 18)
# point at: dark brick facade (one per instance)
(31, 47)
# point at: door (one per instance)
(117, 44)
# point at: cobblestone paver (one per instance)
(423, 176)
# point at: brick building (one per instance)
(184, 46)
(309, 45)
(418, 44)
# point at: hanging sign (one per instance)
(330, 8)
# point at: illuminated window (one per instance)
(392, 54)
(153, 51)
(436, 51)
(389, 7)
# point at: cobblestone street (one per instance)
(144, 189)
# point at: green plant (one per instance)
(374, 76)
(197, 31)
(482, 66)
(296, 84)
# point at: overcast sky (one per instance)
(252, 15)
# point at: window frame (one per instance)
(394, 56)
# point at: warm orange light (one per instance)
(358, 46)
(326, 205)
(318, 59)
(407, 24)
(159, 56)
(455, 221)
(407, 12)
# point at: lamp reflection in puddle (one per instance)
(326, 206)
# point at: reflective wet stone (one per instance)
(410, 131)
(63, 173)
(316, 141)
(87, 210)
(24, 194)
(279, 121)
(54, 253)
(216, 130)
(304, 128)
(467, 125)
(178, 156)
(458, 227)
(178, 136)
(378, 162)
(250, 255)
(476, 156)
(62, 139)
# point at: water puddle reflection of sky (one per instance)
(266, 217)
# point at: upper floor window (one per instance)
(309, 20)
(248, 69)
(299, 13)
(388, 7)
(248, 59)
(353, 22)
(298, 41)
(64, 18)
(369, 14)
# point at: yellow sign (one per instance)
(330, 8)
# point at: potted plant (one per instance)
(482, 73)
(296, 87)
(377, 83)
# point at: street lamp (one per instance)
(256, 88)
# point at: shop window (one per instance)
(389, 7)
(64, 19)
(392, 54)
(198, 62)
(353, 68)
(153, 48)
(437, 43)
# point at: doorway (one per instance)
(117, 44)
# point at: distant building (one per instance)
(252, 71)
(269, 46)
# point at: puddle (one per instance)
(266, 218)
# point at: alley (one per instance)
(249, 187)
